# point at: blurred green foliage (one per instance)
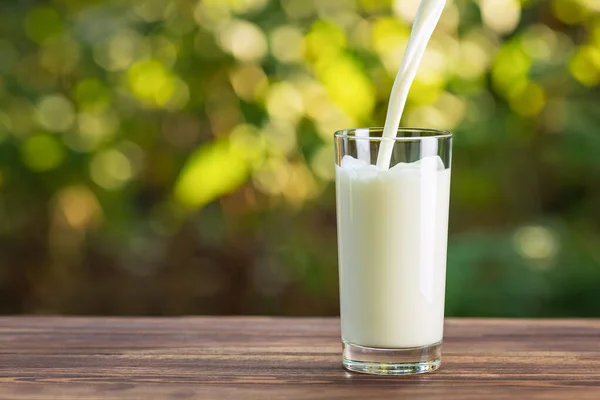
(169, 157)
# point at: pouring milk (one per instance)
(392, 227)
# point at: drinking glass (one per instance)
(392, 225)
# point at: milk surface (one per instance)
(392, 238)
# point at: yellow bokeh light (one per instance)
(449, 46)
(216, 9)
(211, 171)
(164, 50)
(55, 113)
(510, 68)
(79, 207)
(375, 6)
(152, 84)
(134, 154)
(246, 6)
(284, 101)
(298, 9)
(426, 116)
(179, 21)
(347, 85)
(342, 12)
(42, 153)
(331, 120)
(407, 10)
(321, 163)
(528, 99)
(569, 11)
(539, 42)
(287, 44)
(249, 82)
(389, 35)
(389, 38)
(243, 39)
(121, 50)
(361, 34)
(536, 243)
(315, 99)
(447, 112)
(501, 15)
(327, 116)
(280, 137)
(452, 109)
(250, 141)
(300, 185)
(562, 50)
(324, 39)
(424, 93)
(431, 77)
(433, 69)
(150, 10)
(179, 97)
(474, 53)
(449, 20)
(473, 60)
(591, 5)
(585, 65)
(110, 169)
(94, 128)
(211, 13)
(595, 31)
(272, 176)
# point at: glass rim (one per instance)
(426, 133)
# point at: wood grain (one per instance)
(284, 358)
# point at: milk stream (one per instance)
(427, 17)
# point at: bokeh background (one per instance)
(175, 157)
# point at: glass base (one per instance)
(371, 360)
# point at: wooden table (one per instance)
(285, 358)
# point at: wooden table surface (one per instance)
(285, 358)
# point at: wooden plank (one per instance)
(284, 358)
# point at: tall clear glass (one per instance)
(392, 241)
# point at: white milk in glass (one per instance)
(392, 235)
(392, 228)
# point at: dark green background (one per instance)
(176, 157)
